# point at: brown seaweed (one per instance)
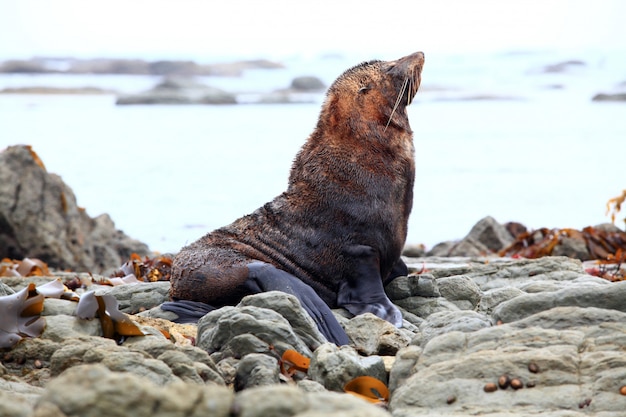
(20, 316)
(115, 324)
(27, 267)
(146, 269)
(368, 388)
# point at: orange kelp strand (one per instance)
(368, 388)
(292, 362)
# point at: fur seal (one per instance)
(334, 238)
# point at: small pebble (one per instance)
(490, 387)
(517, 383)
(622, 390)
(37, 364)
(530, 384)
(533, 367)
(504, 381)
(451, 399)
(584, 403)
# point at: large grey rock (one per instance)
(577, 352)
(611, 296)
(264, 327)
(286, 401)
(372, 335)
(14, 404)
(451, 321)
(425, 306)
(460, 290)
(492, 298)
(39, 218)
(255, 370)
(95, 391)
(289, 307)
(334, 366)
(491, 234)
(422, 285)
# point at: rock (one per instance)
(609, 97)
(56, 90)
(334, 366)
(487, 236)
(134, 298)
(494, 297)
(578, 353)
(40, 219)
(563, 66)
(460, 290)
(423, 285)
(289, 307)
(490, 233)
(94, 390)
(179, 91)
(504, 272)
(307, 83)
(425, 306)
(275, 401)
(451, 321)
(255, 370)
(572, 247)
(414, 251)
(592, 295)
(469, 246)
(12, 405)
(62, 326)
(404, 366)
(372, 335)
(441, 249)
(267, 327)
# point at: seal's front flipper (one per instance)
(264, 277)
(399, 270)
(362, 291)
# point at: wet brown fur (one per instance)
(350, 184)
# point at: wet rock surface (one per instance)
(543, 326)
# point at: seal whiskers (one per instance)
(395, 107)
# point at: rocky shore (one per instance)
(482, 334)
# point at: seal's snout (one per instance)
(408, 72)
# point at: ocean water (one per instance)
(538, 151)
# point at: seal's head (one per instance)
(376, 91)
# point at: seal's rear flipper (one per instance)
(265, 277)
(362, 291)
(186, 310)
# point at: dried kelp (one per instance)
(368, 388)
(115, 324)
(146, 269)
(20, 313)
(614, 205)
(27, 267)
(606, 246)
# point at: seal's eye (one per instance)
(364, 89)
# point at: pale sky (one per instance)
(197, 28)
